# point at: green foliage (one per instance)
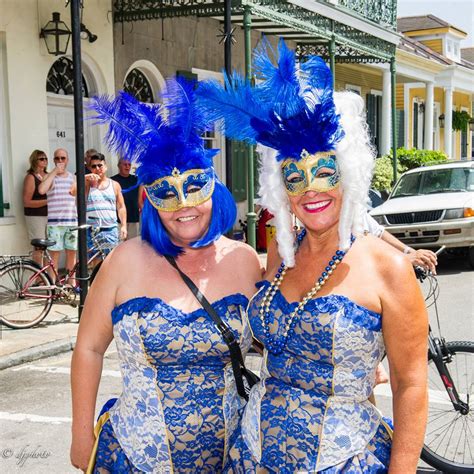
(414, 158)
(383, 173)
(406, 160)
(460, 120)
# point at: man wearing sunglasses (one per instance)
(62, 213)
(104, 203)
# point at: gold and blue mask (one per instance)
(182, 189)
(318, 172)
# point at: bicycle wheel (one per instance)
(449, 441)
(26, 296)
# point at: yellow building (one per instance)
(435, 78)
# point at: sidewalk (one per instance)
(55, 334)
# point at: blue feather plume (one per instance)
(157, 137)
(290, 109)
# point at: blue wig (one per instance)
(160, 138)
(224, 213)
(290, 110)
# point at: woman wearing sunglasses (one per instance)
(35, 203)
(333, 300)
(178, 408)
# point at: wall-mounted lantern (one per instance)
(56, 35)
(441, 121)
(86, 34)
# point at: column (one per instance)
(429, 109)
(393, 80)
(448, 121)
(332, 55)
(251, 215)
(385, 143)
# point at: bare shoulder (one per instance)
(240, 254)
(389, 262)
(131, 254)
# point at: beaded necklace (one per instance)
(275, 344)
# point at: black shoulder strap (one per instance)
(226, 332)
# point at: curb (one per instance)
(38, 352)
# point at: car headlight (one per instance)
(454, 213)
(379, 219)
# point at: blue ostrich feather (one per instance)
(157, 137)
(280, 83)
(232, 107)
(290, 109)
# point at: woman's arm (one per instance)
(28, 190)
(94, 336)
(405, 330)
(140, 197)
(121, 210)
(423, 257)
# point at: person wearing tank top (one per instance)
(62, 213)
(35, 204)
(104, 203)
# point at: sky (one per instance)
(459, 13)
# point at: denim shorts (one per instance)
(65, 237)
(109, 236)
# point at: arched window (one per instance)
(137, 85)
(60, 78)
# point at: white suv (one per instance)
(432, 206)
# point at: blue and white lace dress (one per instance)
(179, 406)
(310, 412)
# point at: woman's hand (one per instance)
(81, 450)
(423, 258)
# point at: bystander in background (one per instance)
(130, 196)
(35, 203)
(104, 203)
(62, 213)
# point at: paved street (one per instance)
(35, 411)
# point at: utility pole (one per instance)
(79, 145)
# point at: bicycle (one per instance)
(27, 291)
(449, 441)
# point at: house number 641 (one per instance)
(60, 133)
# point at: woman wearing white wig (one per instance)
(332, 301)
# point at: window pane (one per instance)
(408, 185)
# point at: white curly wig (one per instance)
(355, 157)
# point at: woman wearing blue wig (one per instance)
(332, 301)
(179, 405)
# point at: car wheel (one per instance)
(471, 256)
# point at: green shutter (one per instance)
(400, 118)
(464, 143)
(239, 170)
(190, 76)
(371, 105)
(378, 122)
(2, 207)
(415, 125)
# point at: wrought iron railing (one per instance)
(382, 12)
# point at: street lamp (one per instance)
(441, 121)
(56, 35)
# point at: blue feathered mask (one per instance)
(157, 137)
(290, 109)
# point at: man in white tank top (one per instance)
(62, 212)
